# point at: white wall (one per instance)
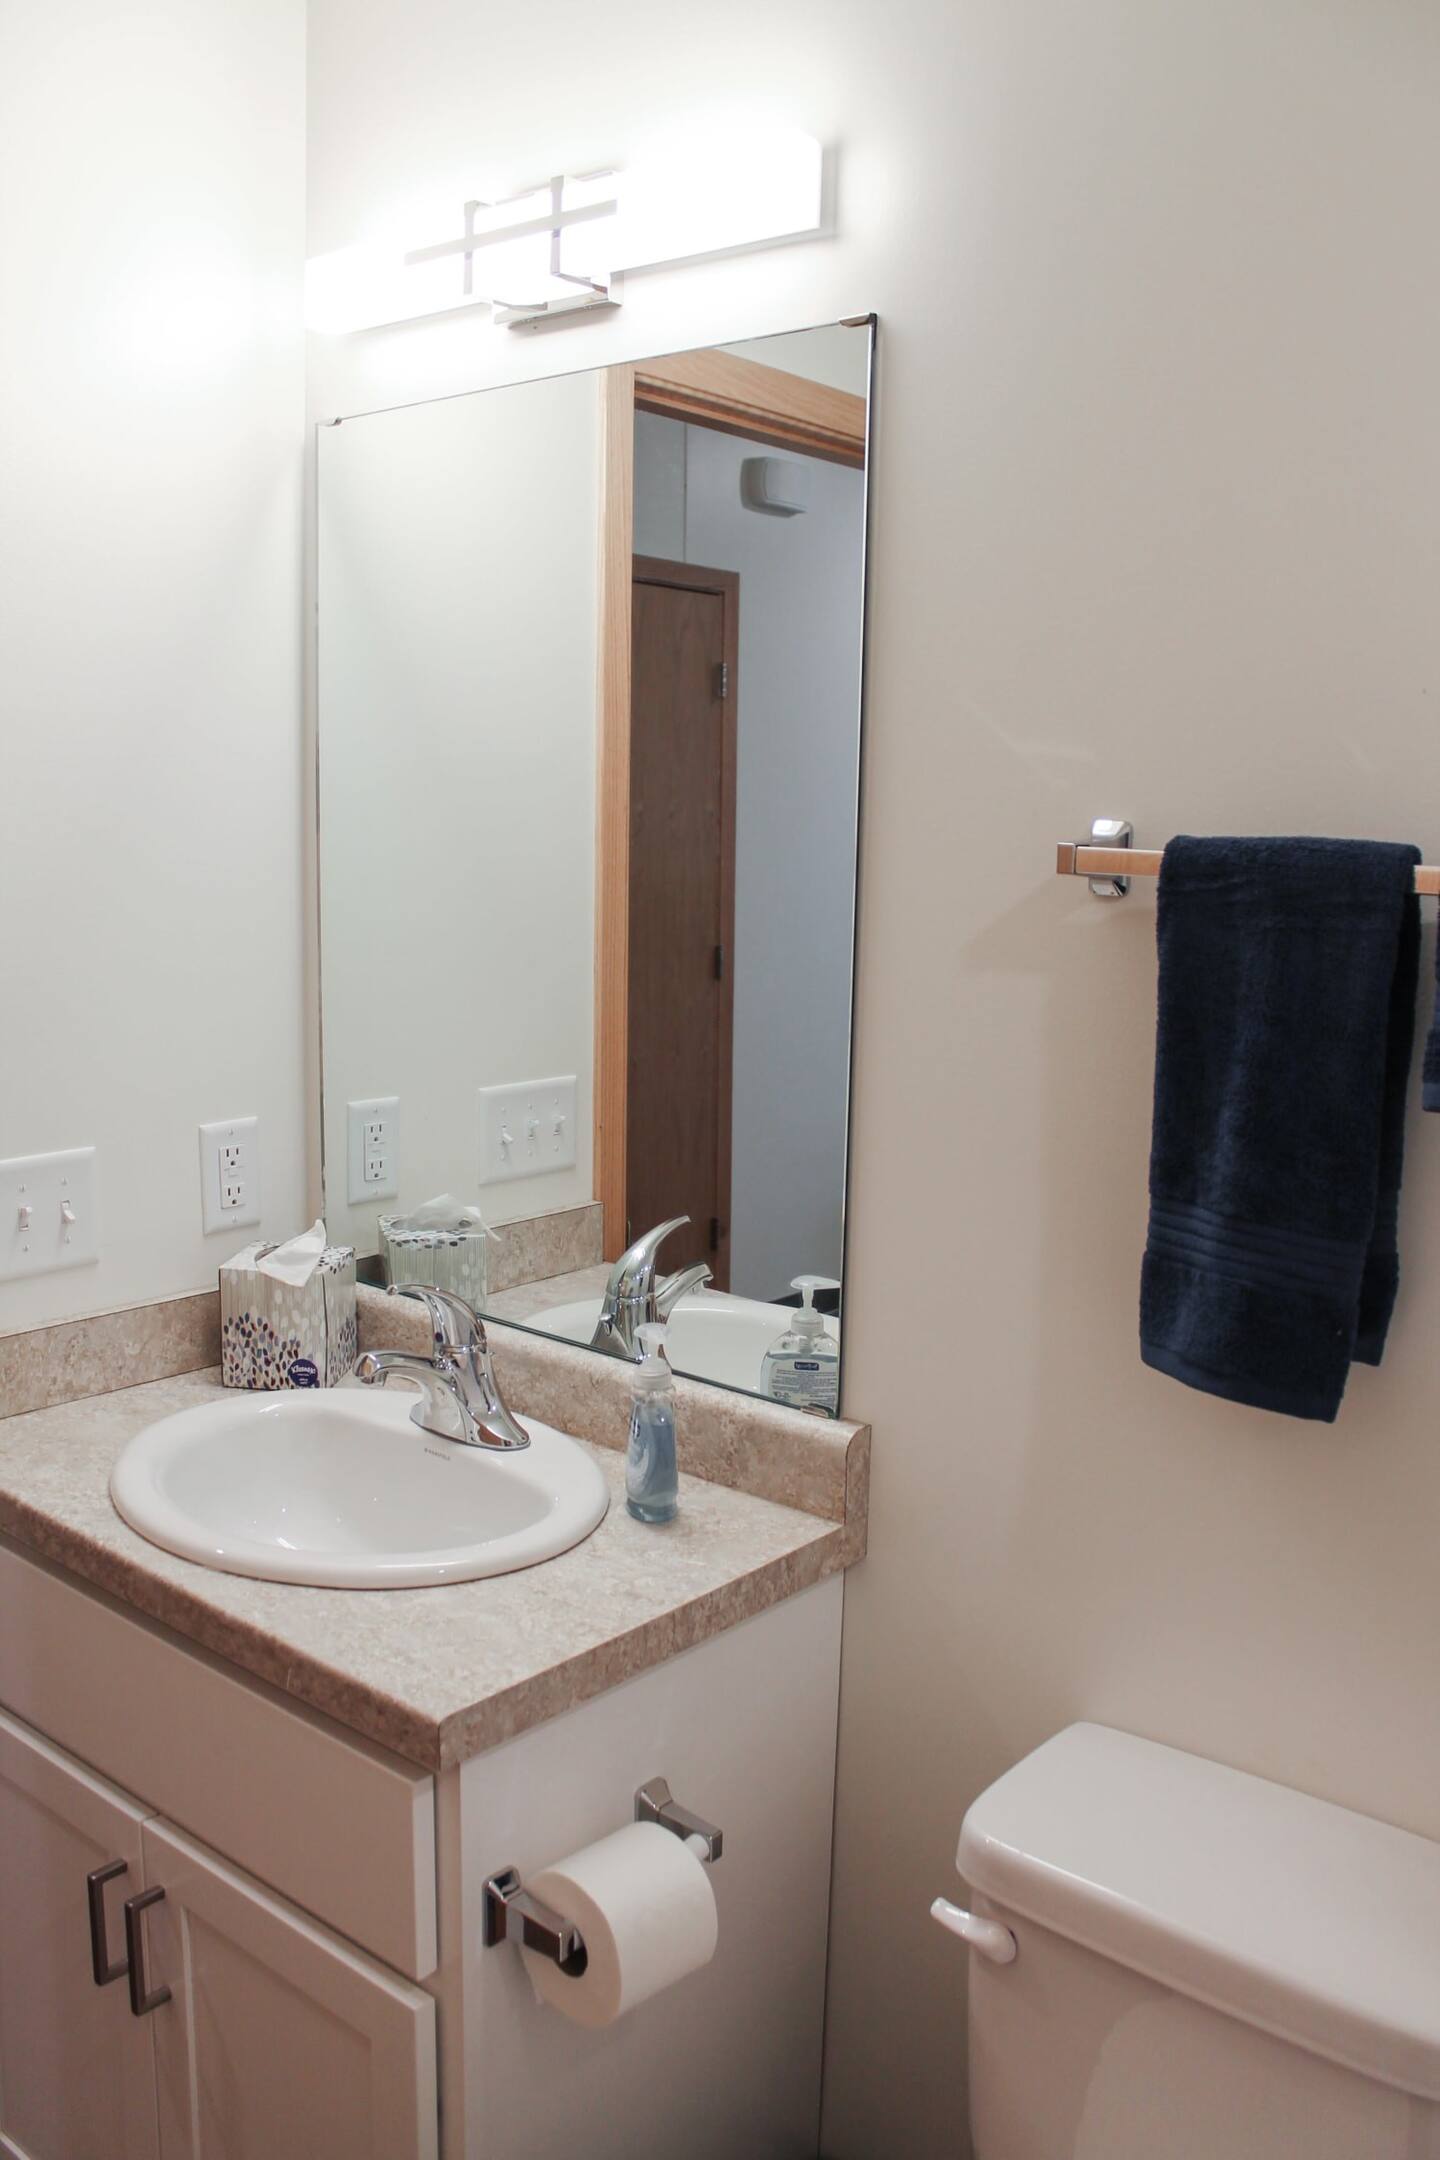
(457, 667)
(801, 594)
(151, 415)
(1155, 533)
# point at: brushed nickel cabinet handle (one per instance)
(143, 1999)
(101, 1964)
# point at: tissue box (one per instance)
(448, 1259)
(278, 1335)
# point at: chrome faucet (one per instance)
(460, 1397)
(633, 1296)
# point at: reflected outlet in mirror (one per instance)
(590, 658)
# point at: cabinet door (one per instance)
(279, 2040)
(77, 2077)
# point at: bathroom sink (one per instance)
(711, 1334)
(338, 1487)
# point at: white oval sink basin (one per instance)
(712, 1335)
(336, 1486)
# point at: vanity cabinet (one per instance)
(320, 1930)
(249, 2030)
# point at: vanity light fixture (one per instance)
(561, 248)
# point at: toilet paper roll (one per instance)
(645, 1907)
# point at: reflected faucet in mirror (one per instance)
(633, 1298)
(460, 1396)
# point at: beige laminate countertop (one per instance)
(436, 1675)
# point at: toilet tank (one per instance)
(1207, 1967)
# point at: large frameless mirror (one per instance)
(590, 657)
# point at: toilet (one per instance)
(1171, 1960)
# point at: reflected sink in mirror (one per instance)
(338, 1487)
(710, 1333)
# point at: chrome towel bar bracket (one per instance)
(513, 1914)
(1112, 835)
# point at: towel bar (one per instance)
(1077, 858)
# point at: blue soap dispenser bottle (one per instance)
(652, 1479)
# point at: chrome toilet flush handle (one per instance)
(993, 1942)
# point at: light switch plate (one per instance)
(230, 1173)
(528, 1129)
(48, 1216)
(373, 1149)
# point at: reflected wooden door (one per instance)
(684, 634)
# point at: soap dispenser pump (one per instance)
(652, 1481)
(802, 1366)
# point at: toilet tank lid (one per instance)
(1297, 1916)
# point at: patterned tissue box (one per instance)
(280, 1335)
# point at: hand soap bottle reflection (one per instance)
(652, 1481)
(802, 1366)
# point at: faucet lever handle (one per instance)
(672, 1288)
(454, 1321)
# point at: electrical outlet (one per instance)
(48, 1215)
(527, 1130)
(374, 1149)
(230, 1173)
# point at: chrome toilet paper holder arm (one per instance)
(509, 1906)
(511, 1912)
(654, 1803)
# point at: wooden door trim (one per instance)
(725, 585)
(744, 397)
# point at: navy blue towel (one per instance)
(1287, 1010)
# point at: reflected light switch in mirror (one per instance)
(528, 1129)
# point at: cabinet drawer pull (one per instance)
(101, 1964)
(143, 1999)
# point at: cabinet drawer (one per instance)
(344, 1830)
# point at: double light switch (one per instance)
(48, 1213)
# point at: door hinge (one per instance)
(719, 963)
(717, 1231)
(722, 678)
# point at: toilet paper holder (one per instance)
(512, 1912)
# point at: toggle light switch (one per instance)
(528, 1129)
(48, 1202)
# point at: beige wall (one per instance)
(1155, 533)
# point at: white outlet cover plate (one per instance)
(539, 1116)
(242, 1133)
(372, 1128)
(47, 1185)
